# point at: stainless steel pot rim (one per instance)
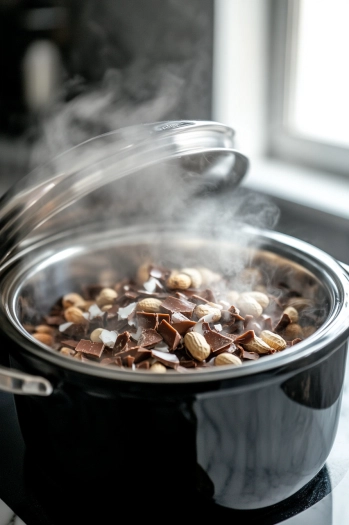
(330, 335)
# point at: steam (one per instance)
(148, 88)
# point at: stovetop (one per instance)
(26, 500)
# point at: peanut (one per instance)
(74, 315)
(258, 345)
(84, 305)
(260, 297)
(95, 335)
(204, 309)
(46, 339)
(70, 299)
(208, 276)
(157, 367)
(292, 314)
(180, 281)
(299, 303)
(106, 307)
(249, 306)
(44, 329)
(226, 358)
(232, 296)
(273, 340)
(197, 345)
(106, 296)
(195, 276)
(67, 351)
(143, 273)
(293, 331)
(150, 305)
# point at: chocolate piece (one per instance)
(172, 305)
(91, 291)
(113, 311)
(149, 338)
(143, 365)
(129, 361)
(216, 340)
(131, 295)
(267, 323)
(121, 342)
(147, 320)
(142, 354)
(244, 338)
(188, 363)
(210, 295)
(115, 324)
(76, 330)
(54, 320)
(295, 341)
(69, 342)
(111, 361)
(89, 348)
(283, 322)
(169, 334)
(198, 299)
(181, 323)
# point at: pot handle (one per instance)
(19, 383)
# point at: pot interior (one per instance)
(249, 261)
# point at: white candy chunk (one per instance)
(198, 327)
(123, 313)
(86, 315)
(169, 357)
(161, 347)
(208, 318)
(64, 326)
(108, 338)
(138, 334)
(150, 285)
(95, 311)
(218, 327)
(225, 304)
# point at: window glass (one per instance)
(318, 104)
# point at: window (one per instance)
(309, 88)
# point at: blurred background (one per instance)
(274, 70)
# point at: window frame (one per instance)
(283, 142)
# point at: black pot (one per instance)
(242, 437)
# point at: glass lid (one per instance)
(170, 164)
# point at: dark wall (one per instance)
(122, 62)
